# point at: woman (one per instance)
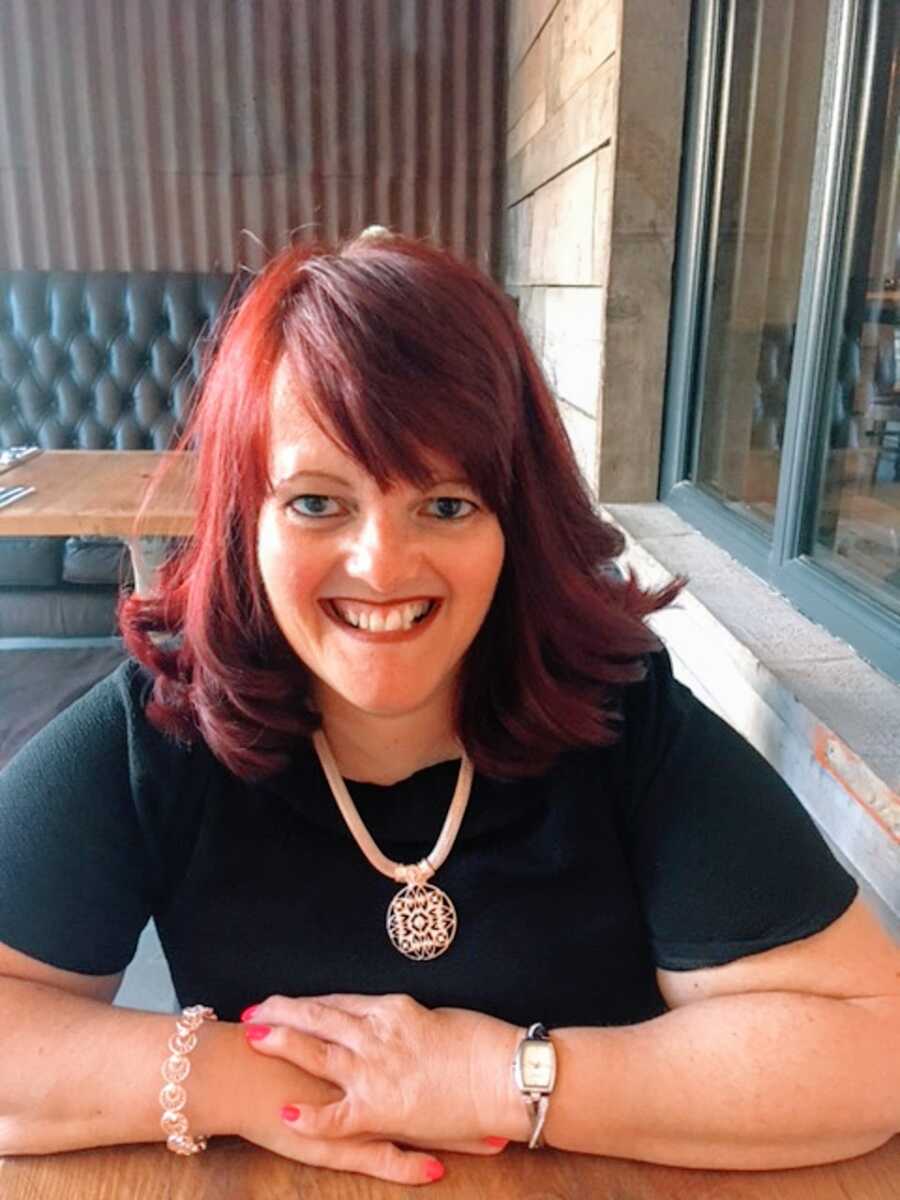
(400, 771)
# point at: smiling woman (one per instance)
(374, 428)
(406, 781)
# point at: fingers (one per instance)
(351, 1002)
(325, 1020)
(335, 1121)
(476, 1146)
(327, 1060)
(323, 1121)
(380, 1159)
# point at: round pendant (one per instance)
(421, 921)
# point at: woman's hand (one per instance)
(406, 1074)
(260, 1086)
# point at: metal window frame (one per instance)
(782, 559)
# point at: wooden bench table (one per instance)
(99, 493)
(234, 1170)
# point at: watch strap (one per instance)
(538, 1106)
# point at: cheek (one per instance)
(288, 576)
(482, 570)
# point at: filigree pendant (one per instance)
(421, 921)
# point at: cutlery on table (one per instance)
(12, 494)
(14, 456)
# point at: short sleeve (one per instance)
(727, 860)
(77, 883)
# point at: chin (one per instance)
(386, 701)
(386, 706)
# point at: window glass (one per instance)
(858, 515)
(771, 81)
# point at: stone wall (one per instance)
(563, 78)
(596, 93)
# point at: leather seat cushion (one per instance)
(30, 562)
(96, 560)
(58, 612)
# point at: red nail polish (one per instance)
(497, 1141)
(255, 1033)
(434, 1170)
(247, 1014)
(290, 1112)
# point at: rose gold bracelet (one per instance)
(175, 1070)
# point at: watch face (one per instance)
(538, 1064)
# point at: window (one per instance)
(782, 437)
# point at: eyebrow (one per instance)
(311, 475)
(438, 481)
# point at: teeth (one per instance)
(411, 612)
(376, 620)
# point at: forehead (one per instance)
(297, 441)
(291, 425)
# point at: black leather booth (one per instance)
(102, 361)
(95, 361)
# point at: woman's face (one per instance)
(379, 594)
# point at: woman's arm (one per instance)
(76, 1072)
(744, 1082)
(786, 1058)
(778, 1059)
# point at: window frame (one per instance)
(782, 560)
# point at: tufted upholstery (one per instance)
(103, 361)
(93, 361)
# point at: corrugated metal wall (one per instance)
(148, 134)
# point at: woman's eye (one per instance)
(450, 508)
(315, 506)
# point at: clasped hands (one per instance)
(432, 1078)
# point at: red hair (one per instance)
(402, 350)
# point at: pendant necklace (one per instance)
(421, 919)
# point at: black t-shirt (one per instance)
(677, 847)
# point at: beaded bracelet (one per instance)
(175, 1070)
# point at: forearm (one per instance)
(76, 1073)
(751, 1081)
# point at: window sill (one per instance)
(821, 715)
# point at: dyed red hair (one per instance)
(401, 350)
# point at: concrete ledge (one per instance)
(825, 719)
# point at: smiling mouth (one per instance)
(381, 620)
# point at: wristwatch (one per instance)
(534, 1072)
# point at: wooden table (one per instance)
(99, 493)
(233, 1170)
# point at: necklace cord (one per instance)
(408, 873)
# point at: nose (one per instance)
(383, 553)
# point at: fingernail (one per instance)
(497, 1141)
(434, 1170)
(255, 1033)
(247, 1014)
(290, 1112)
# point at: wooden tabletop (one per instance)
(99, 492)
(232, 1169)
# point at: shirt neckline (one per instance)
(412, 810)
